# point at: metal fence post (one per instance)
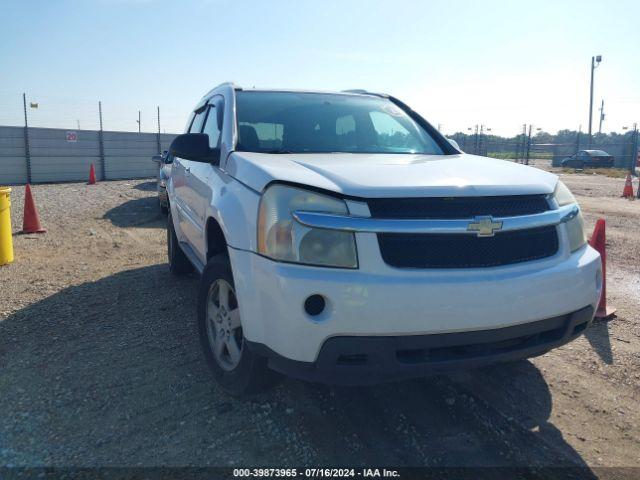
(101, 144)
(27, 152)
(528, 140)
(634, 151)
(158, 137)
(523, 142)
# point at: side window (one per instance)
(198, 120)
(211, 127)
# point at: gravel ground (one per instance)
(100, 364)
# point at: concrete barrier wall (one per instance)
(60, 155)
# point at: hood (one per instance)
(392, 175)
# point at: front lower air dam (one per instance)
(6, 241)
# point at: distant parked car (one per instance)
(164, 162)
(588, 158)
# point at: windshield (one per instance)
(597, 153)
(288, 122)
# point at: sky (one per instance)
(458, 63)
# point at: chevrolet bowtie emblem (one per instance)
(484, 226)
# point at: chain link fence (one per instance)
(554, 148)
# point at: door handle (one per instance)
(187, 170)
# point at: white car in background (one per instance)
(341, 239)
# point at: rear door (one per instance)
(585, 159)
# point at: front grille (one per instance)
(457, 207)
(403, 250)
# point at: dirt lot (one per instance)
(100, 364)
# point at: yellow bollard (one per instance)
(6, 240)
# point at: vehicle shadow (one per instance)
(599, 339)
(111, 373)
(139, 212)
(150, 186)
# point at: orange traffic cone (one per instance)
(628, 188)
(599, 242)
(31, 221)
(92, 175)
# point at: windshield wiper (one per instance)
(277, 151)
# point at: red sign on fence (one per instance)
(72, 136)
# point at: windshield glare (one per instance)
(288, 122)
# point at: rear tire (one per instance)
(235, 367)
(179, 264)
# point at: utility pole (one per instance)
(595, 61)
(138, 121)
(27, 153)
(78, 121)
(601, 116)
(101, 143)
(158, 137)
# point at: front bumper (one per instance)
(379, 300)
(366, 360)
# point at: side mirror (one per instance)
(194, 147)
(455, 144)
(157, 158)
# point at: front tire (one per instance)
(238, 370)
(179, 264)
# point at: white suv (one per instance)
(342, 239)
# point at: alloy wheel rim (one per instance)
(224, 330)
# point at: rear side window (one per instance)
(198, 120)
(211, 127)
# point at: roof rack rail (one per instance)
(362, 91)
(231, 84)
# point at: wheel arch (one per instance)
(216, 240)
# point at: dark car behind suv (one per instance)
(588, 158)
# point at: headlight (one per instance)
(563, 195)
(575, 226)
(280, 237)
